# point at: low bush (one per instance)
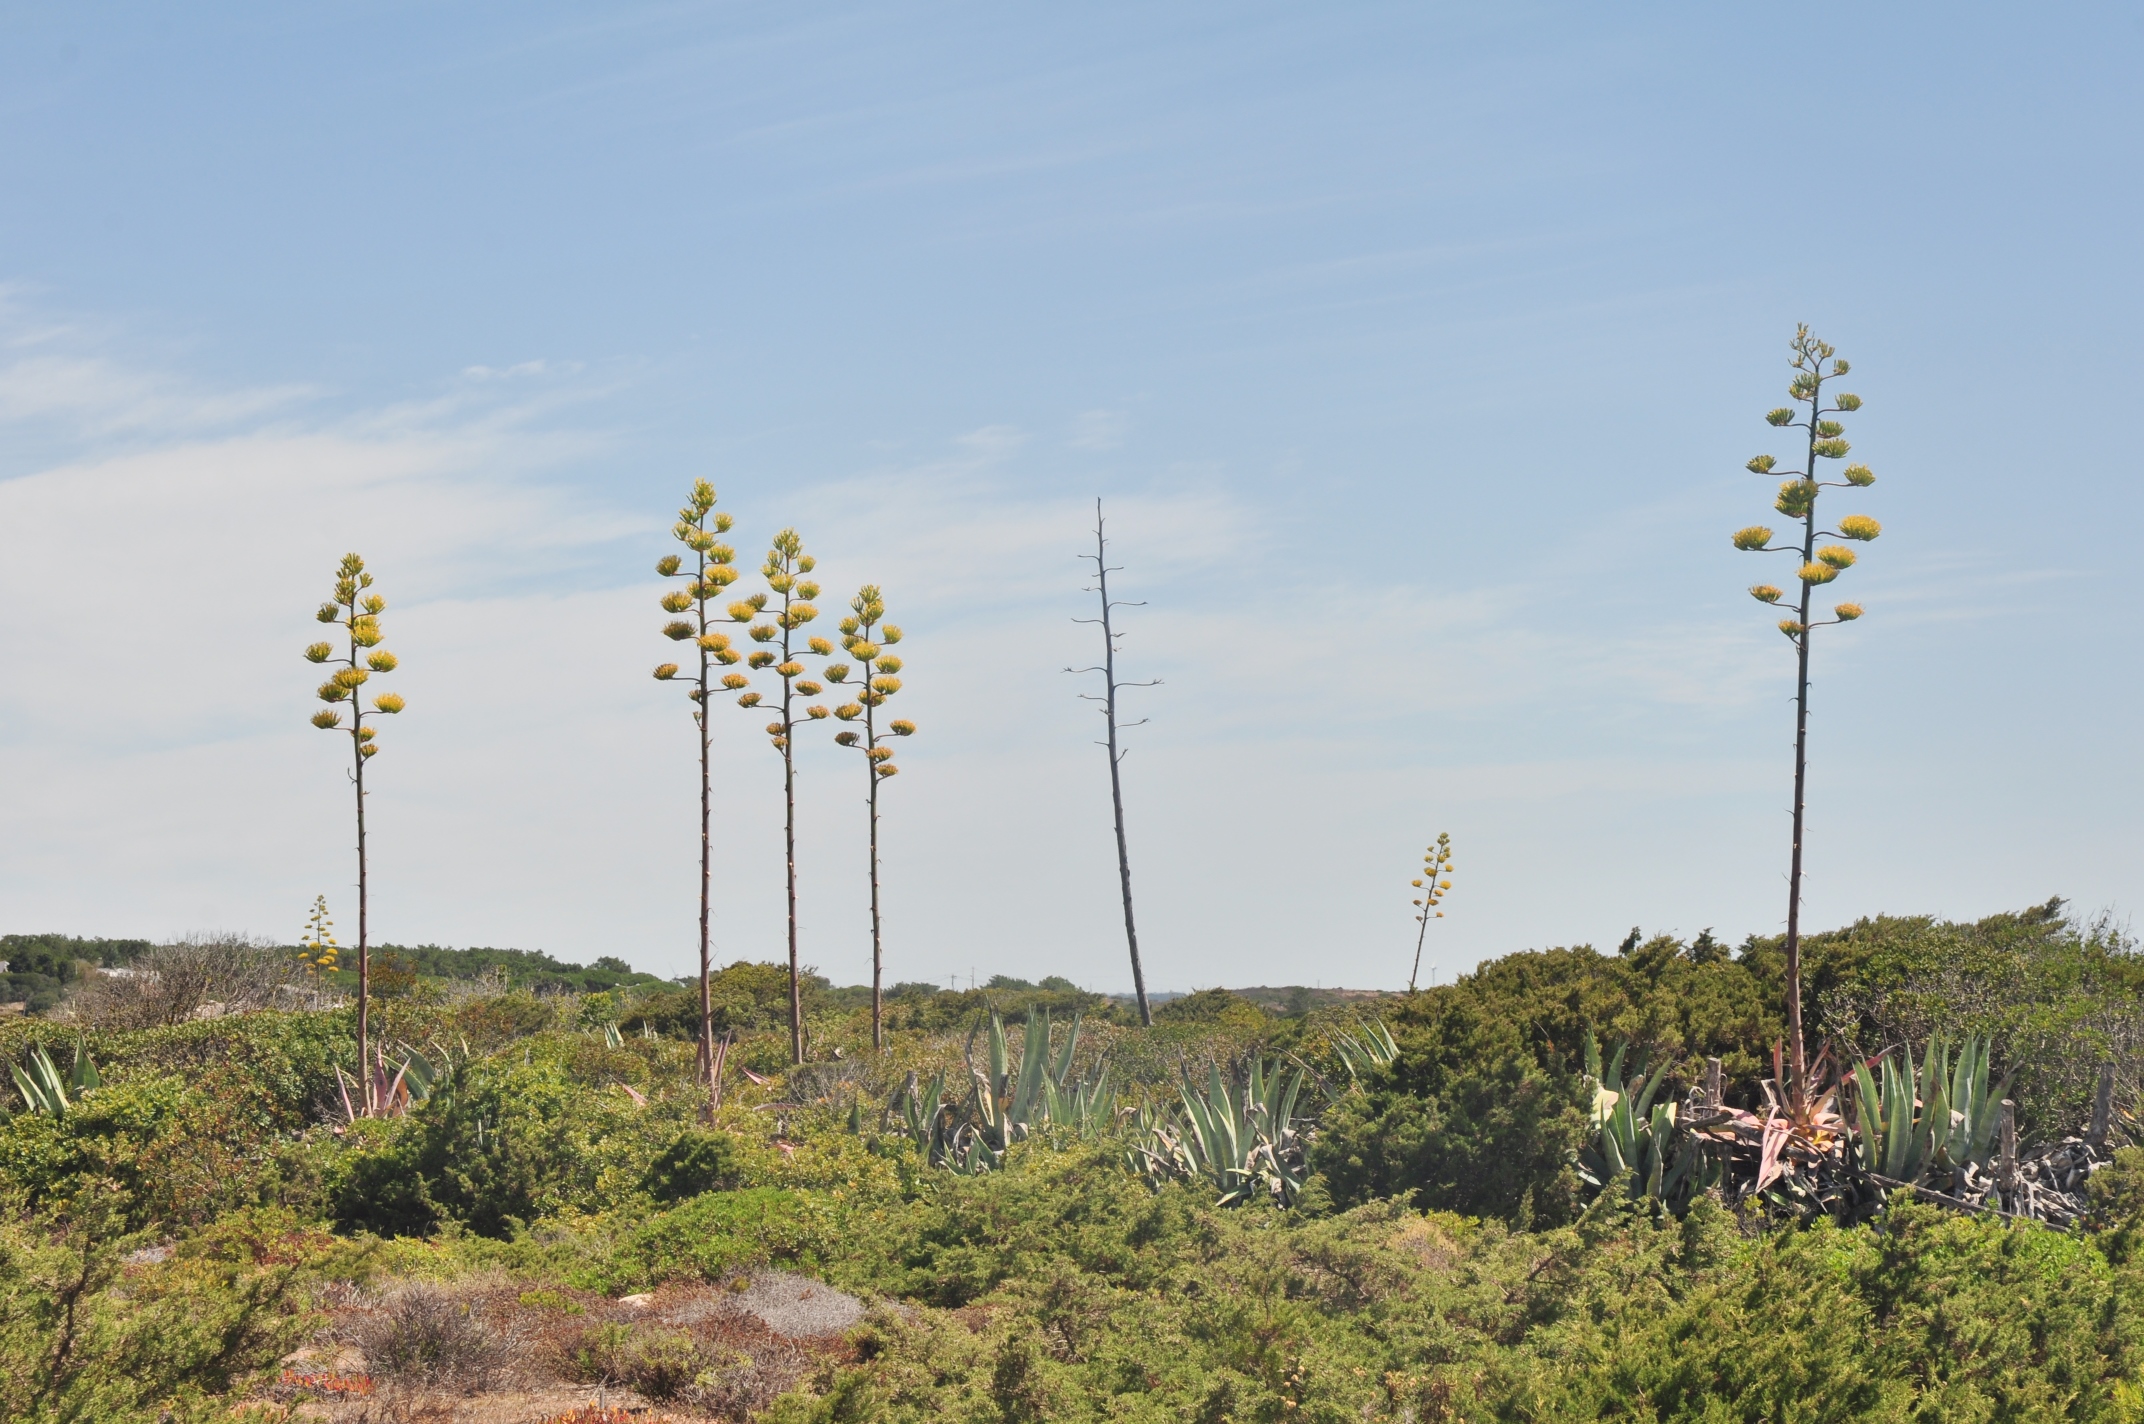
(660, 1364)
(422, 1334)
(1492, 1140)
(696, 1161)
(89, 1330)
(745, 998)
(171, 982)
(513, 1142)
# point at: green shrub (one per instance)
(181, 1152)
(1493, 1141)
(744, 998)
(512, 1143)
(657, 1363)
(696, 1161)
(710, 1236)
(1216, 1007)
(85, 1335)
(2055, 999)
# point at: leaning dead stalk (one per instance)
(1110, 688)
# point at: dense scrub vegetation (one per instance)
(176, 1229)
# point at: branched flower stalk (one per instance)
(1818, 565)
(699, 581)
(785, 572)
(1110, 688)
(1435, 883)
(317, 947)
(865, 637)
(358, 613)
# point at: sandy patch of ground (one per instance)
(495, 1351)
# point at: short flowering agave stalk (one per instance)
(317, 947)
(698, 579)
(780, 648)
(1814, 364)
(357, 612)
(1434, 884)
(865, 636)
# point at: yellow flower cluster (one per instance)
(358, 613)
(1797, 497)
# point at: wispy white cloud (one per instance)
(91, 396)
(153, 600)
(1098, 430)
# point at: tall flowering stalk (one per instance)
(865, 637)
(1434, 884)
(785, 572)
(358, 613)
(702, 579)
(1820, 564)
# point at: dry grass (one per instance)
(422, 1334)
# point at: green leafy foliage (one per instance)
(1917, 1126)
(85, 1335)
(1495, 1139)
(2052, 999)
(1240, 1139)
(1441, 1259)
(1634, 1134)
(747, 998)
(527, 969)
(696, 1161)
(42, 969)
(515, 1141)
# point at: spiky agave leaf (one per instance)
(85, 1075)
(1063, 1070)
(41, 1085)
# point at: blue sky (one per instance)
(1415, 349)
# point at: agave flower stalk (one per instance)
(865, 636)
(1814, 363)
(318, 942)
(698, 528)
(357, 612)
(782, 649)
(1435, 883)
(1108, 700)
